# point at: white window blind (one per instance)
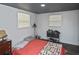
(23, 20)
(55, 20)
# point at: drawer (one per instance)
(1, 51)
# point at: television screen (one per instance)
(54, 34)
(50, 33)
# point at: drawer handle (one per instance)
(9, 49)
(8, 43)
(9, 46)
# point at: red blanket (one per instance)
(32, 48)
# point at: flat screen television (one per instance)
(49, 33)
(54, 34)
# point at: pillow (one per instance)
(21, 44)
(29, 38)
(51, 49)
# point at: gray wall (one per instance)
(8, 21)
(69, 29)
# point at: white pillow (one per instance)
(28, 39)
(22, 44)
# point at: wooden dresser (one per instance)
(5, 47)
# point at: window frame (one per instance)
(21, 24)
(55, 24)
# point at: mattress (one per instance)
(35, 47)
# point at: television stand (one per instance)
(55, 40)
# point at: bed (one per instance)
(39, 47)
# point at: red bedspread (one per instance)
(32, 48)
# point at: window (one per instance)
(55, 20)
(23, 20)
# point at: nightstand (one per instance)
(5, 47)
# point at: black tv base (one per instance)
(53, 40)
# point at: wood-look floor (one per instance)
(72, 49)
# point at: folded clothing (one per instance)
(52, 49)
(21, 44)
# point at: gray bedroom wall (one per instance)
(78, 28)
(69, 29)
(8, 21)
